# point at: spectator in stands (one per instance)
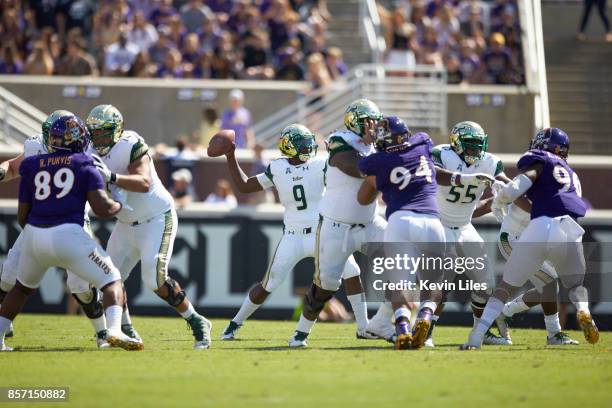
(106, 27)
(12, 26)
(447, 26)
(602, 8)
(142, 66)
(162, 14)
(182, 188)
(400, 41)
(209, 35)
(162, 47)
(171, 68)
(238, 118)
(429, 51)
(177, 31)
(78, 14)
(335, 63)
(255, 55)
(473, 25)
(203, 66)
(288, 65)
(39, 62)
(194, 14)
(10, 63)
(77, 61)
(44, 13)
(469, 60)
(419, 19)
(222, 195)
(434, 8)
(221, 8)
(453, 68)
(499, 8)
(209, 125)
(317, 74)
(120, 56)
(142, 33)
(497, 65)
(191, 49)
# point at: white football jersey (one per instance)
(457, 203)
(143, 205)
(339, 202)
(515, 221)
(300, 189)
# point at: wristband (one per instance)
(453, 179)
(113, 178)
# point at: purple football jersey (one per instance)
(556, 192)
(56, 185)
(406, 175)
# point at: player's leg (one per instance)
(125, 256)
(156, 241)
(8, 273)
(91, 302)
(334, 244)
(528, 253)
(356, 296)
(289, 251)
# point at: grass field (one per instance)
(336, 370)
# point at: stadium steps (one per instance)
(345, 31)
(580, 92)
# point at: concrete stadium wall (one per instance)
(561, 19)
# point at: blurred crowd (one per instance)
(478, 41)
(264, 39)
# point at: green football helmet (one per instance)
(469, 141)
(356, 114)
(105, 125)
(46, 125)
(297, 141)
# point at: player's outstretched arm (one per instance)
(519, 185)
(347, 161)
(138, 178)
(483, 207)
(243, 183)
(102, 205)
(367, 192)
(9, 169)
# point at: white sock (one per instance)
(490, 313)
(187, 313)
(113, 318)
(515, 306)
(476, 321)
(246, 310)
(305, 325)
(5, 325)
(402, 312)
(99, 323)
(435, 317)
(360, 309)
(430, 304)
(552, 324)
(125, 317)
(384, 312)
(582, 307)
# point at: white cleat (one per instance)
(474, 342)
(503, 327)
(4, 347)
(101, 340)
(299, 340)
(561, 339)
(381, 328)
(230, 331)
(491, 339)
(364, 334)
(121, 340)
(429, 343)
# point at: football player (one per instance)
(403, 170)
(299, 178)
(344, 226)
(472, 170)
(86, 295)
(146, 226)
(552, 234)
(53, 190)
(546, 288)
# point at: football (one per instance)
(221, 143)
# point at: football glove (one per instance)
(107, 175)
(477, 178)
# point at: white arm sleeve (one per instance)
(264, 180)
(514, 189)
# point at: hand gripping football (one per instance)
(221, 143)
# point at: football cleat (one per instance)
(101, 339)
(230, 331)
(129, 331)
(299, 339)
(429, 340)
(4, 347)
(200, 327)
(403, 336)
(474, 342)
(123, 341)
(561, 339)
(503, 326)
(421, 327)
(364, 334)
(491, 339)
(382, 328)
(587, 324)
(9, 333)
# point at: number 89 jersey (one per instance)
(457, 203)
(300, 189)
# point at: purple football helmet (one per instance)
(68, 133)
(390, 131)
(553, 140)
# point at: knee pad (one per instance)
(90, 302)
(175, 295)
(312, 305)
(479, 301)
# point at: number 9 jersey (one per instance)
(457, 203)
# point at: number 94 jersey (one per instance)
(556, 192)
(457, 203)
(300, 189)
